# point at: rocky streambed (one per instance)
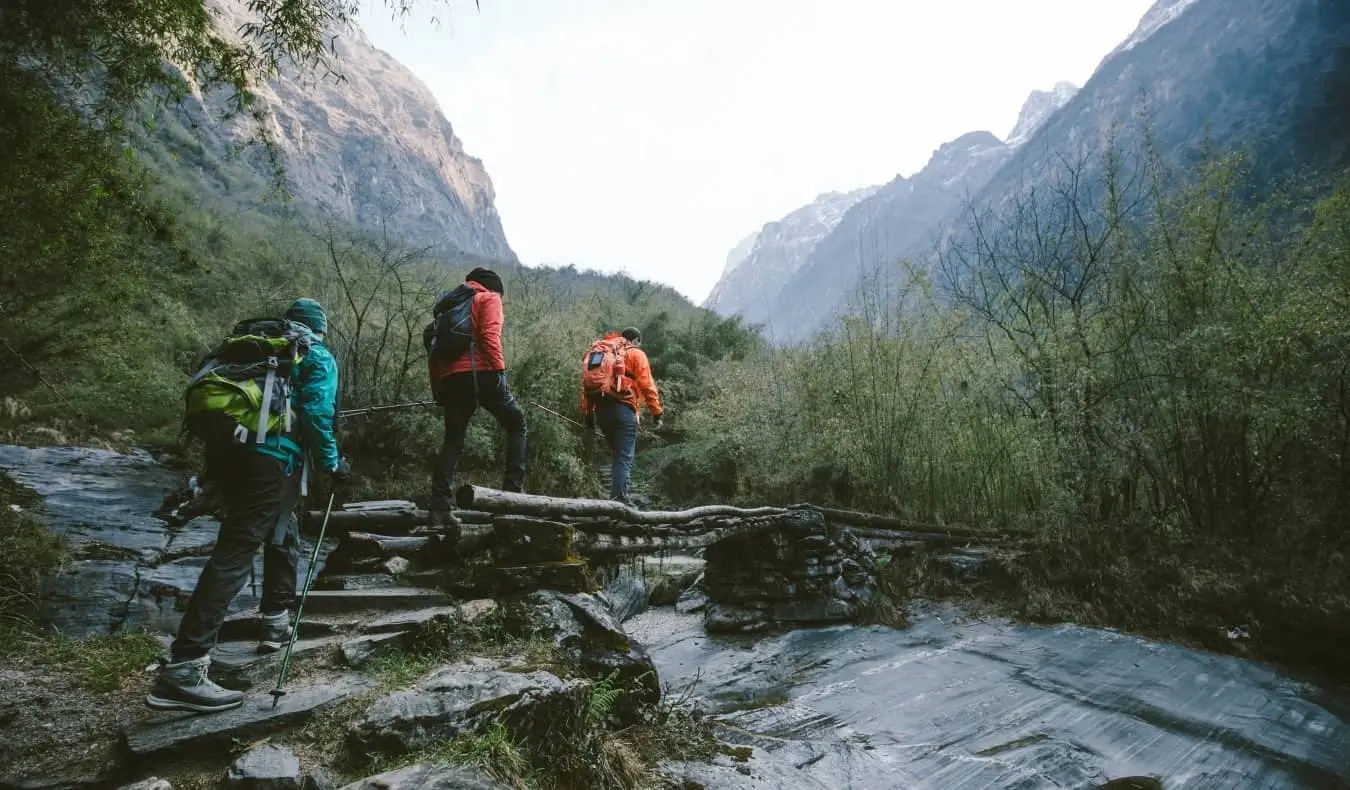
(948, 702)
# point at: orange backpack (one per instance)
(602, 369)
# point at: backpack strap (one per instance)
(266, 409)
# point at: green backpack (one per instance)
(241, 392)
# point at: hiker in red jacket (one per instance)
(477, 378)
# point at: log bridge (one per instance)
(760, 566)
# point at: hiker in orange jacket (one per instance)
(618, 417)
(477, 378)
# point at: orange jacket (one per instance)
(643, 390)
(486, 317)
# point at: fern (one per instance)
(602, 697)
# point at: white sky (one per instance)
(651, 136)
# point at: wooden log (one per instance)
(494, 501)
(853, 518)
(521, 540)
(400, 520)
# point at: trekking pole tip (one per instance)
(277, 694)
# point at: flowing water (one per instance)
(948, 703)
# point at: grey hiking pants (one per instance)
(260, 495)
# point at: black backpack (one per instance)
(450, 334)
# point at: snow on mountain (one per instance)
(1037, 109)
(1162, 12)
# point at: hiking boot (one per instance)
(444, 522)
(185, 686)
(276, 632)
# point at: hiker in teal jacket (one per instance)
(261, 486)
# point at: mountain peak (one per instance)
(1037, 109)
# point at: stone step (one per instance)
(171, 735)
(244, 626)
(354, 581)
(239, 665)
(348, 601)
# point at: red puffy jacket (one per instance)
(486, 355)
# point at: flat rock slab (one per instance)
(167, 735)
(359, 650)
(458, 698)
(469, 612)
(239, 665)
(426, 777)
(340, 601)
(266, 767)
(248, 625)
(354, 581)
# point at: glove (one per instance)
(659, 421)
(342, 476)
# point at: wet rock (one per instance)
(89, 597)
(167, 735)
(691, 601)
(752, 769)
(354, 581)
(267, 767)
(420, 619)
(426, 777)
(793, 571)
(590, 638)
(239, 665)
(460, 698)
(153, 783)
(357, 651)
(626, 592)
(720, 618)
(340, 601)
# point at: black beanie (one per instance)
(632, 335)
(486, 278)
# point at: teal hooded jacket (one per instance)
(314, 398)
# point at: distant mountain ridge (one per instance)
(1272, 76)
(790, 301)
(758, 266)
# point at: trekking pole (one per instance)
(373, 409)
(277, 693)
(559, 416)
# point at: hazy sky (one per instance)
(652, 135)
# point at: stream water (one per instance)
(948, 703)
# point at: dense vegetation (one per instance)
(1152, 380)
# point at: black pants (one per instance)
(459, 398)
(260, 496)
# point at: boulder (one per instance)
(592, 641)
(266, 767)
(360, 649)
(426, 777)
(626, 592)
(460, 698)
(691, 601)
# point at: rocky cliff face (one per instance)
(764, 262)
(374, 149)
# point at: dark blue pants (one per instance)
(618, 422)
(459, 398)
(260, 493)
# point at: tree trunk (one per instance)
(494, 501)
